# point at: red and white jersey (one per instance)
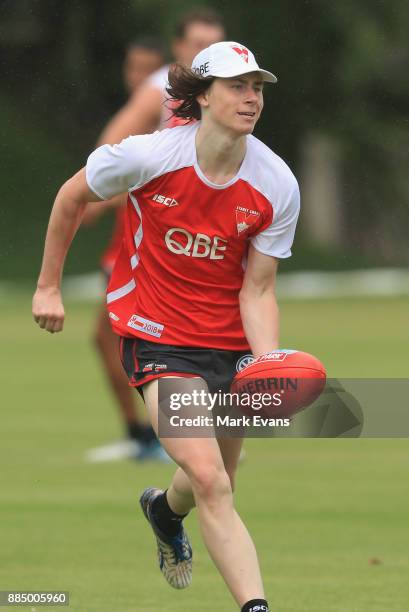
(178, 275)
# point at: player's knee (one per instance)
(210, 482)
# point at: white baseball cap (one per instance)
(228, 59)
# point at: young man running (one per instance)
(179, 295)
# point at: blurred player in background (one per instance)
(143, 56)
(147, 109)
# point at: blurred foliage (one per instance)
(342, 70)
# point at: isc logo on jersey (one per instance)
(182, 242)
(161, 199)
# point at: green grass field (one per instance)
(320, 511)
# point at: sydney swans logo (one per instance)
(245, 218)
(243, 52)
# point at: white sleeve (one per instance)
(112, 170)
(276, 240)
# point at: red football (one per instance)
(279, 383)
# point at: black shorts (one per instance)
(144, 361)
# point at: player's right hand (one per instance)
(48, 309)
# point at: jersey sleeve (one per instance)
(276, 240)
(111, 170)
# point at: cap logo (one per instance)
(243, 52)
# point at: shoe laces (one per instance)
(177, 550)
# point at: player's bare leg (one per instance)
(180, 493)
(226, 538)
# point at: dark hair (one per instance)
(197, 15)
(184, 87)
(148, 43)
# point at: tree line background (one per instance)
(339, 115)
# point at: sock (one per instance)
(168, 521)
(134, 430)
(256, 605)
(142, 433)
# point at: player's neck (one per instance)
(219, 154)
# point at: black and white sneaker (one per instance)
(174, 553)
